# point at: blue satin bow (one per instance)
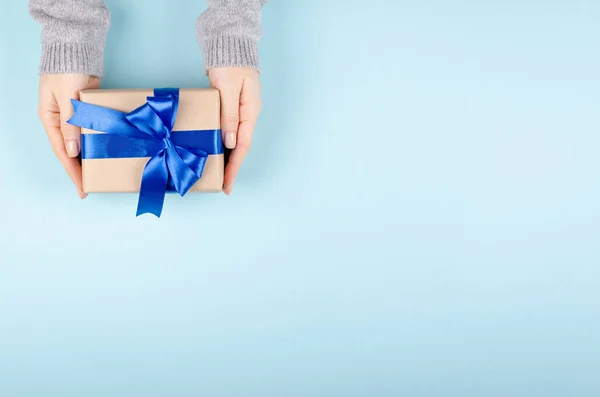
(177, 160)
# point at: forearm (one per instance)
(73, 35)
(229, 32)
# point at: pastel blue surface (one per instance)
(419, 215)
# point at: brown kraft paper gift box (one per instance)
(199, 109)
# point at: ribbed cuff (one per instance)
(230, 52)
(72, 58)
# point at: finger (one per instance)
(230, 114)
(250, 105)
(71, 133)
(233, 165)
(48, 113)
(71, 165)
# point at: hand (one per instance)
(240, 106)
(55, 109)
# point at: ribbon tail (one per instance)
(98, 118)
(154, 186)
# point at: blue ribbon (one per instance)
(177, 158)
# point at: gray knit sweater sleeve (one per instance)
(229, 32)
(73, 35)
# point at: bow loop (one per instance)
(148, 121)
(166, 108)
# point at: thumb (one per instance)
(71, 133)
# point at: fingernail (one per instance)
(230, 140)
(82, 194)
(72, 148)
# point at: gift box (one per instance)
(150, 141)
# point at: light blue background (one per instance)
(419, 215)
